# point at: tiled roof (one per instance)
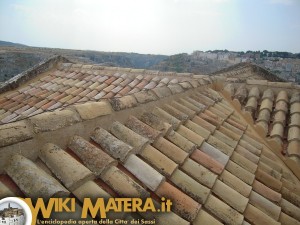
(185, 141)
(74, 83)
(276, 109)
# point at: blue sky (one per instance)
(153, 26)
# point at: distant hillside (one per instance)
(15, 59)
(6, 43)
(188, 63)
(13, 63)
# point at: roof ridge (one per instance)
(32, 72)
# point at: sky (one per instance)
(12, 204)
(153, 26)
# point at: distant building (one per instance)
(12, 216)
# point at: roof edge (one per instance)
(32, 72)
(254, 68)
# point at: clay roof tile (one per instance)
(23, 171)
(94, 158)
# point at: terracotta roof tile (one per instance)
(128, 136)
(184, 205)
(266, 104)
(197, 129)
(9, 118)
(166, 117)
(267, 192)
(200, 173)
(176, 113)
(214, 153)
(222, 173)
(190, 135)
(23, 172)
(294, 148)
(73, 174)
(235, 183)
(145, 173)
(151, 85)
(281, 106)
(295, 108)
(280, 117)
(295, 120)
(294, 133)
(207, 161)
(290, 209)
(124, 91)
(162, 92)
(244, 162)
(90, 155)
(265, 205)
(286, 219)
(119, 150)
(126, 82)
(99, 95)
(134, 90)
(251, 104)
(277, 130)
(290, 196)
(28, 111)
(190, 106)
(208, 126)
(268, 180)
(190, 186)
(295, 97)
(230, 196)
(223, 211)
(205, 218)
(133, 83)
(116, 89)
(256, 216)
(156, 122)
(158, 160)
(240, 172)
(55, 106)
(254, 92)
(170, 150)
(250, 147)
(282, 96)
(268, 94)
(123, 184)
(143, 129)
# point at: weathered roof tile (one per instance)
(169, 149)
(72, 174)
(90, 155)
(230, 196)
(112, 145)
(223, 211)
(145, 173)
(190, 186)
(184, 205)
(128, 136)
(158, 160)
(23, 171)
(143, 129)
(200, 173)
(123, 184)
